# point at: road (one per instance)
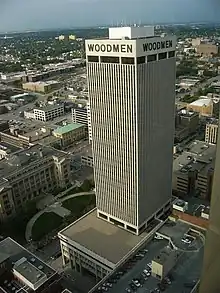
(195, 89)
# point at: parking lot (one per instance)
(132, 278)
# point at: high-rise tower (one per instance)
(211, 265)
(131, 84)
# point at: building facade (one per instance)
(207, 49)
(186, 123)
(83, 115)
(30, 173)
(193, 169)
(211, 132)
(70, 133)
(131, 80)
(41, 87)
(211, 263)
(49, 112)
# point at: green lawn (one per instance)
(46, 223)
(77, 205)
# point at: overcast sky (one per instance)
(19, 15)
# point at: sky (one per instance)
(24, 15)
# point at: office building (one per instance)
(42, 87)
(29, 173)
(186, 123)
(131, 80)
(193, 169)
(70, 133)
(83, 116)
(48, 112)
(23, 272)
(123, 110)
(211, 264)
(211, 132)
(79, 115)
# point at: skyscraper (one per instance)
(211, 265)
(131, 83)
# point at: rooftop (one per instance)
(199, 156)
(101, 237)
(23, 158)
(27, 265)
(186, 113)
(164, 254)
(202, 102)
(49, 107)
(68, 128)
(190, 261)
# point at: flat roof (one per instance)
(198, 156)
(202, 102)
(49, 107)
(29, 271)
(103, 238)
(22, 261)
(67, 128)
(190, 261)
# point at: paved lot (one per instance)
(135, 272)
(190, 261)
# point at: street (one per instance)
(195, 89)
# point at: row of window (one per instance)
(131, 60)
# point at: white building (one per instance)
(180, 205)
(131, 79)
(48, 112)
(83, 116)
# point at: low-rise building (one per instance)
(163, 263)
(28, 173)
(204, 106)
(23, 272)
(41, 87)
(207, 49)
(193, 169)
(24, 138)
(180, 205)
(25, 98)
(70, 133)
(48, 112)
(196, 42)
(211, 132)
(94, 246)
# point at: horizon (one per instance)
(26, 15)
(106, 26)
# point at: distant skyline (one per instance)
(25, 15)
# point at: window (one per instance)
(141, 59)
(109, 59)
(152, 58)
(127, 60)
(103, 216)
(162, 56)
(131, 229)
(93, 58)
(171, 54)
